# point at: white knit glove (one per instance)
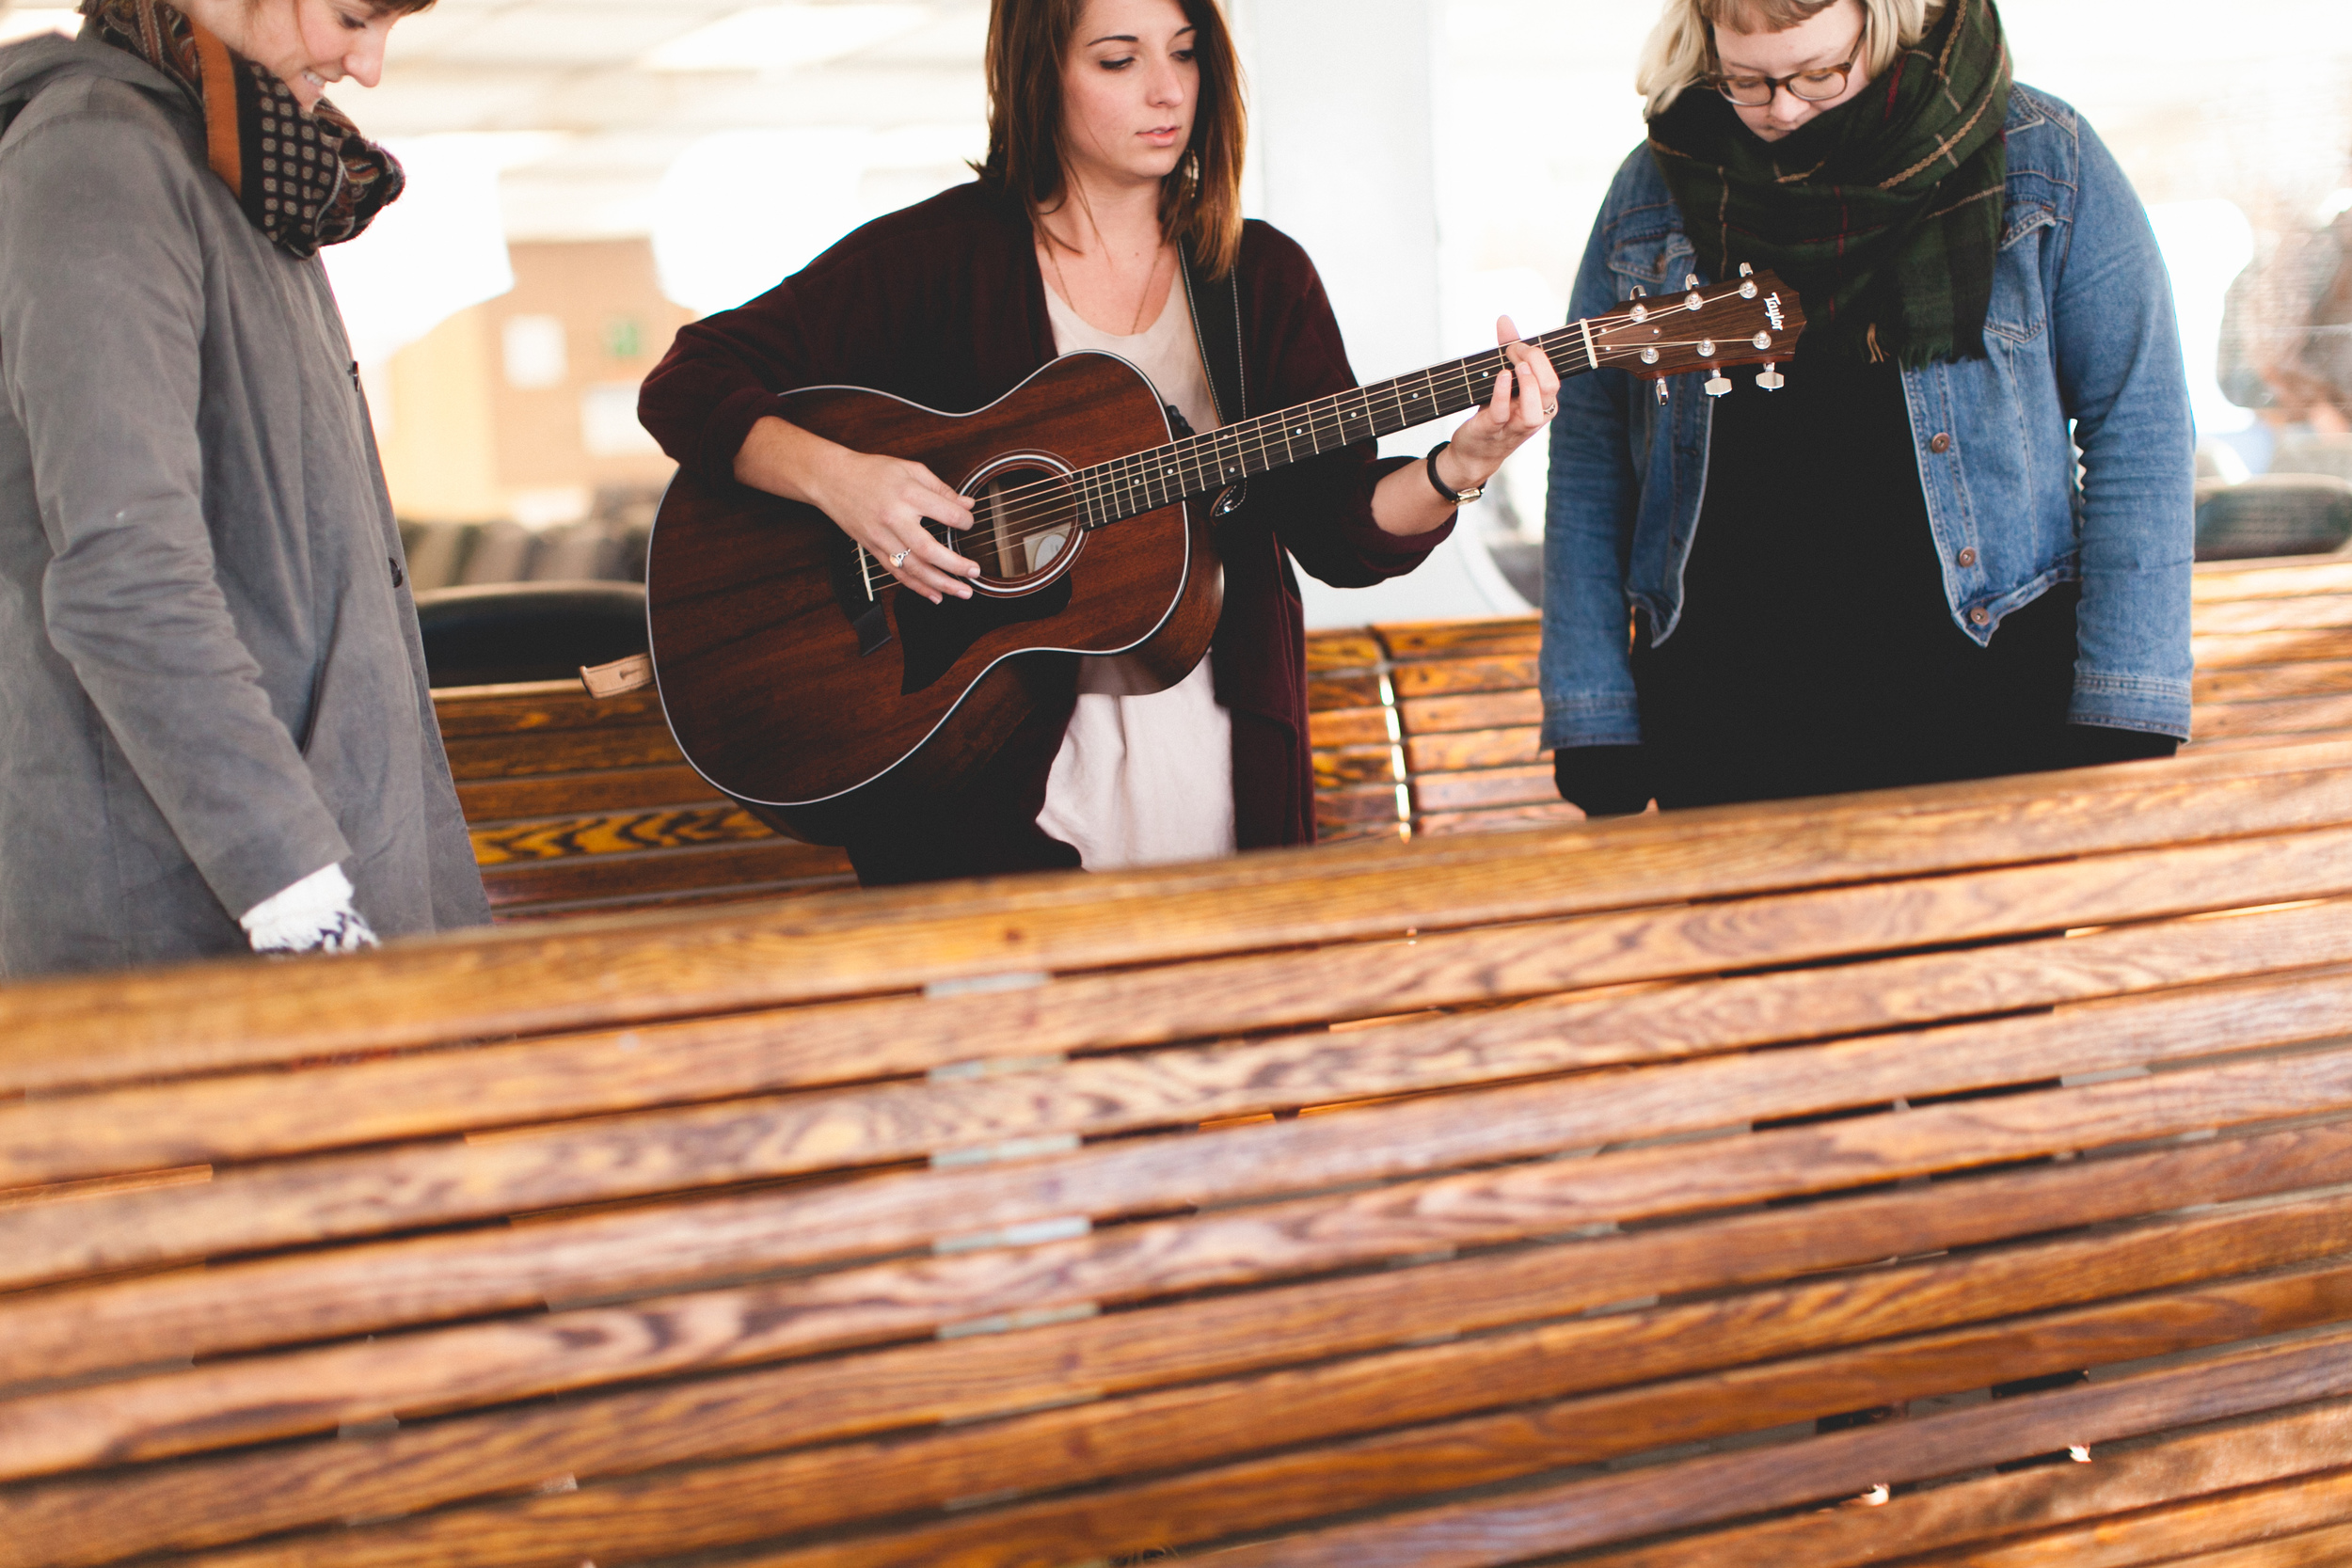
(315, 916)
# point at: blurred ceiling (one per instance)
(599, 97)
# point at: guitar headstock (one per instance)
(1753, 320)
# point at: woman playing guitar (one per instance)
(1107, 219)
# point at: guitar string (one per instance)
(1068, 501)
(1063, 500)
(1566, 338)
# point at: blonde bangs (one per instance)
(1680, 53)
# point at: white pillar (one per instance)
(1343, 149)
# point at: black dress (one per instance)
(1817, 652)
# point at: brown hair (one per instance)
(1200, 202)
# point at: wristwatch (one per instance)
(1446, 492)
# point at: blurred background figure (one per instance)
(2286, 339)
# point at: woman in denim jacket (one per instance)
(1892, 570)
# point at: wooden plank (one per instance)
(2315, 678)
(224, 1309)
(2271, 647)
(512, 756)
(694, 901)
(712, 1059)
(1483, 637)
(2224, 721)
(2310, 612)
(711, 1145)
(1498, 787)
(1255, 1495)
(2216, 583)
(226, 1403)
(1363, 726)
(1329, 693)
(474, 711)
(1493, 710)
(1350, 805)
(1458, 676)
(205, 1501)
(2277, 1453)
(1556, 1422)
(578, 878)
(1431, 757)
(2257, 742)
(210, 1016)
(614, 789)
(2185, 1531)
(1503, 819)
(613, 835)
(1337, 768)
(2323, 1548)
(1845, 1464)
(156, 1319)
(1328, 651)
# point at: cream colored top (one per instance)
(1144, 780)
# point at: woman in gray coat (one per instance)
(216, 731)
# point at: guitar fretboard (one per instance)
(1147, 481)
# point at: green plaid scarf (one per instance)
(304, 178)
(1883, 214)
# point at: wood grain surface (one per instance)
(154, 1416)
(584, 978)
(1472, 1200)
(954, 1381)
(1846, 1464)
(2267, 1461)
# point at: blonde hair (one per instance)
(1680, 53)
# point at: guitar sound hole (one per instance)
(1023, 524)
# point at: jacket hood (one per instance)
(28, 67)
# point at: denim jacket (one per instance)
(2080, 329)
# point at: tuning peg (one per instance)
(1661, 392)
(1746, 271)
(1691, 280)
(1718, 383)
(1640, 293)
(1770, 379)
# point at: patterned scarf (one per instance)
(305, 179)
(1885, 214)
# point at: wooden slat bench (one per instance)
(585, 807)
(1437, 726)
(581, 806)
(1466, 1201)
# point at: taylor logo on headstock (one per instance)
(1747, 322)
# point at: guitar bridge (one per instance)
(863, 609)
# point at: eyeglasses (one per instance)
(1817, 86)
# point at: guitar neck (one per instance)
(1147, 481)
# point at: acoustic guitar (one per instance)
(800, 679)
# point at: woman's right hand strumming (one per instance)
(882, 503)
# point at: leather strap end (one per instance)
(619, 679)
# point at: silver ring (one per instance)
(899, 559)
(1550, 409)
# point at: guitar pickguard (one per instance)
(932, 636)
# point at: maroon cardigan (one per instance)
(943, 304)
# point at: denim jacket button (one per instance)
(1969, 556)
(1979, 617)
(1941, 444)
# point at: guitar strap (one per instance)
(1216, 327)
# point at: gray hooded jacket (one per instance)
(211, 681)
